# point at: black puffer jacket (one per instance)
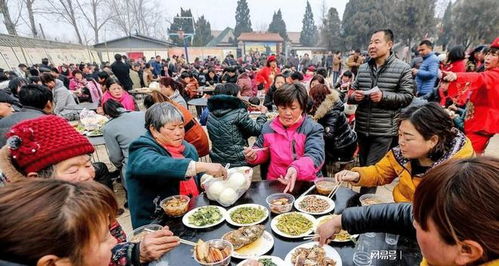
(393, 218)
(229, 127)
(337, 132)
(395, 80)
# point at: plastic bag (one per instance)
(227, 192)
(92, 121)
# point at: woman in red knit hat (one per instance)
(49, 147)
(482, 117)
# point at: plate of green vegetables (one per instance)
(247, 214)
(204, 217)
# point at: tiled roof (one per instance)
(260, 36)
(136, 36)
(217, 39)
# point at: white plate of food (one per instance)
(325, 255)
(342, 236)
(265, 261)
(314, 204)
(204, 217)
(246, 215)
(293, 224)
(250, 241)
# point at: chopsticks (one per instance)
(335, 189)
(183, 241)
(187, 242)
(306, 192)
(311, 237)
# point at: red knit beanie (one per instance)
(36, 144)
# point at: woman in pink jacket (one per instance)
(292, 142)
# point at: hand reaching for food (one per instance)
(329, 229)
(348, 176)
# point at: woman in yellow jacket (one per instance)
(427, 138)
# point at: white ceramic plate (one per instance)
(330, 253)
(328, 210)
(323, 219)
(261, 246)
(185, 219)
(274, 259)
(273, 225)
(229, 212)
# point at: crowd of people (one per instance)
(423, 123)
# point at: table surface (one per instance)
(198, 102)
(97, 140)
(182, 255)
(81, 106)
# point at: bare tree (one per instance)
(97, 19)
(31, 16)
(9, 23)
(65, 10)
(136, 16)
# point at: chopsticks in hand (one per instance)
(335, 189)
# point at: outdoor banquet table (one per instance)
(81, 106)
(198, 102)
(406, 250)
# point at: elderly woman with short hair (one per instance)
(161, 164)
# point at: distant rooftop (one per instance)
(260, 36)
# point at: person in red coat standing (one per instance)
(265, 77)
(482, 110)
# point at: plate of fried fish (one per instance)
(250, 241)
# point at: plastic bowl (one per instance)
(371, 199)
(175, 210)
(139, 233)
(325, 185)
(218, 243)
(277, 207)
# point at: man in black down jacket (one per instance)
(383, 87)
(122, 72)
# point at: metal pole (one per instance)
(186, 52)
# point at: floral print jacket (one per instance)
(124, 253)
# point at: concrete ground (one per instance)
(384, 191)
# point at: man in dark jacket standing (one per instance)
(383, 86)
(122, 72)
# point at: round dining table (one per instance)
(405, 252)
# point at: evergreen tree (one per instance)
(203, 32)
(181, 24)
(309, 34)
(446, 28)
(361, 18)
(475, 22)
(413, 20)
(243, 21)
(330, 31)
(278, 25)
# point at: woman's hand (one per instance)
(263, 109)
(449, 76)
(289, 180)
(214, 169)
(328, 229)
(348, 176)
(156, 244)
(249, 154)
